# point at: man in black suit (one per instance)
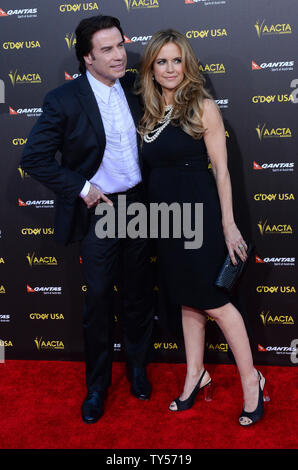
(92, 122)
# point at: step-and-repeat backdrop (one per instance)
(248, 54)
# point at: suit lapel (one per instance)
(89, 104)
(133, 101)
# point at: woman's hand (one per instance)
(235, 242)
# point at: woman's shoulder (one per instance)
(210, 110)
(209, 104)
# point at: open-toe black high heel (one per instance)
(247, 418)
(183, 405)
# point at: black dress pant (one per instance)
(102, 260)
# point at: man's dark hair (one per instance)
(85, 31)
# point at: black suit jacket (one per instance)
(71, 123)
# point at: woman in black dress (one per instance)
(181, 130)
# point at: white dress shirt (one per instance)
(119, 169)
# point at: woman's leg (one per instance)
(193, 323)
(232, 325)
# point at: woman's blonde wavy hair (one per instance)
(188, 97)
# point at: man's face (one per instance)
(107, 59)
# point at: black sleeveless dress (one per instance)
(176, 169)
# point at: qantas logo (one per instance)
(29, 112)
(204, 2)
(67, 76)
(131, 4)
(44, 290)
(21, 203)
(49, 203)
(24, 12)
(223, 103)
(283, 66)
(274, 166)
(277, 349)
(134, 39)
(276, 261)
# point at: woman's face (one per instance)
(168, 69)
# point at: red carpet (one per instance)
(40, 409)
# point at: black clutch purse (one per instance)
(229, 274)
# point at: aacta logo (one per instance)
(281, 229)
(274, 166)
(41, 260)
(265, 30)
(22, 173)
(212, 68)
(273, 319)
(17, 78)
(131, 4)
(219, 347)
(48, 344)
(70, 40)
(278, 132)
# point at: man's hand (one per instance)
(95, 196)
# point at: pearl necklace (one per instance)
(164, 122)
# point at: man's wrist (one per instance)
(85, 189)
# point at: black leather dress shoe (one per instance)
(92, 408)
(140, 385)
